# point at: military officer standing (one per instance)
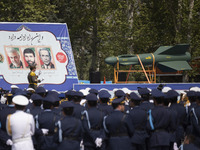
(92, 121)
(21, 125)
(45, 125)
(118, 127)
(139, 121)
(69, 129)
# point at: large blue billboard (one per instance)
(47, 45)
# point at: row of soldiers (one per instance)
(128, 121)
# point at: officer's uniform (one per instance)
(159, 123)
(69, 131)
(46, 120)
(181, 116)
(192, 98)
(139, 120)
(92, 121)
(195, 121)
(118, 128)
(171, 94)
(76, 103)
(21, 126)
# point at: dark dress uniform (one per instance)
(139, 120)
(69, 131)
(3, 133)
(92, 121)
(119, 129)
(46, 120)
(159, 123)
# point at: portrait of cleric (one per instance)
(29, 57)
(46, 59)
(14, 58)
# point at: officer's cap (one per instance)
(143, 91)
(85, 92)
(191, 93)
(157, 93)
(52, 93)
(196, 89)
(166, 89)
(20, 92)
(40, 90)
(126, 90)
(172, 94)
(67, 104)
(70, 93)
(14, 87)
(30, 89)
(94, 91)
(51, 98)
(104, 94)
(134, 96)
(119, 93)
(118, 100)
(36, 97)
(91, 97)
(79, 94)
(20, 100)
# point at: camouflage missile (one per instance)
(166, 58)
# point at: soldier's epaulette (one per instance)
(32, 73)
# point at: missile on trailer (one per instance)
(166, 58)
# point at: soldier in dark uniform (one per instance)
(77, 107)
(171, 94)
(118, 127)
(33, 78)
(92, 120)
(195, 121)
(69, 129)
(35, 110)
(139, 121)
(5, 139)
(104, 98)
(45, 125)
(181, 115)
(192, 98)
(159, 121)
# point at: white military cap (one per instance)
(30, 89)
(166, 89)
(196, 89)
(20, 100)
(126, 90)
(85, 92)
(14, 86)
